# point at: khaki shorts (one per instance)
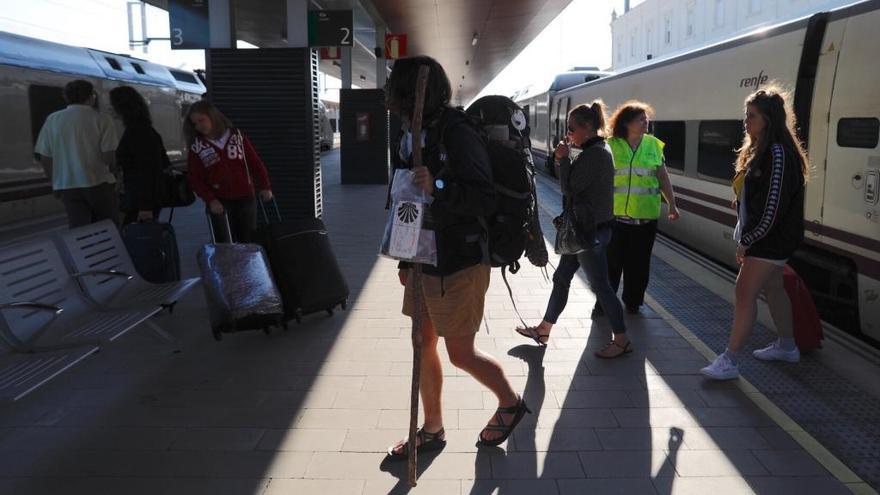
(459, 312)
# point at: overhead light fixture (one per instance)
(475, 39)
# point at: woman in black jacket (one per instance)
(140, 155)
(587, 181)
(769, 185)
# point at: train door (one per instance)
(852, 182)
(819, 121)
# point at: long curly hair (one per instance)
(772, 103)
(625, 114)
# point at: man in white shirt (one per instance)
(76, 147)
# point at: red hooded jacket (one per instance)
(216, 173)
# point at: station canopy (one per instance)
(473, 39)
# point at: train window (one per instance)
(718, 140)
(858, 132)
(183, 76)
(43, 100)
(138, 68)
(672, 133)
(113, 63)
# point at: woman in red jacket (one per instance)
(223, 167)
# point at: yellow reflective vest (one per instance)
(636, 186)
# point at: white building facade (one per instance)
(655, 28)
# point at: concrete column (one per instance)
(297, 23)
(381, 72)
(345, 66)
(221, 19)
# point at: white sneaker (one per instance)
(721, 369)
(775, 353)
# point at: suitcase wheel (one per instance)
(218, 335)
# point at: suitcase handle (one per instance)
(263, 209)
(211, 227)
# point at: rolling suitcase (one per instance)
(153, 250)
(805, 319)
(239, 288)
(304, 265)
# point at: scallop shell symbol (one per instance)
(407, 212)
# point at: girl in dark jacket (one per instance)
(769, 185)
(588, 182)
(224, 170)
(140, 155)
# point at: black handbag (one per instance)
(568, 236)
(175, 189)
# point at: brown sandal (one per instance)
(614, 350)
(425, 442)
(532, 333)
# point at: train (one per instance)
(828, 60)
(33, 73)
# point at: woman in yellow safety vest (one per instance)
(640, 177)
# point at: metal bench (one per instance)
(98, 255)
(46, 324)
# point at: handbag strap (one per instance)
(244, 157)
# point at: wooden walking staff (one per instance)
(416, 274)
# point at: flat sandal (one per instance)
(425, 441)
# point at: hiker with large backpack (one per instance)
(587, 186)
(458, 175)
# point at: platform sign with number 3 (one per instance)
(190, 28)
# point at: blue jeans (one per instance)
(595, 266)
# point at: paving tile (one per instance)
(509, 487)
(400, 487)
(732, 485)
(711, 463)
(733, 438)
(303, 440)
(531, 465)
(627, 464)
(593, 398)
(335, 487)
(655, 417)
(790, 463)
(628, 438)
(555, 440)
(345, 465)
(613, 486)
(770, 485)
(336, 418)
(218, 439)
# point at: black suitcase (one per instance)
(239, 288)
(153, 250)
(304, 265)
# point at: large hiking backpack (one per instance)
(514, 228)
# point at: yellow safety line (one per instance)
(837, 468)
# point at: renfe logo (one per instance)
(754, 82)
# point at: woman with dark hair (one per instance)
(223, 169)
(140, 155)
(771, 171)
(640, 176)
(587, 185)
(456, 172)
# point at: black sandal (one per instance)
(624, 350)
(426, 441)
(519, 410)
(532, 333)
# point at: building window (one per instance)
(648, 40)
(858, 132)
(672, 133)
(718, 140)
(719, 13)
(43, 100)
(754, 6)
(632, 44)
(690, 21)
(667, 37)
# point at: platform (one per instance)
(312, 410)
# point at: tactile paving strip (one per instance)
(845, 419)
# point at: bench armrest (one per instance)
(31, 305)
(93, 273)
